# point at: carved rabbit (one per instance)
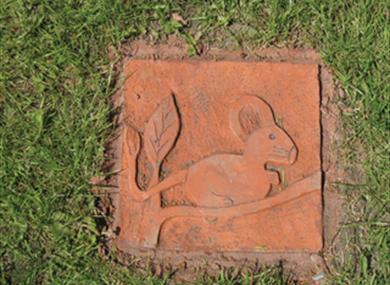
(224, 180)
(222, 185)
(228, 179)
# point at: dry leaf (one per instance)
(177, 17)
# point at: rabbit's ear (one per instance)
(248, 114)
(249, 120)
(245, 120)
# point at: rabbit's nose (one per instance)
(292, 155)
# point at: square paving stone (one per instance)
(220, 156)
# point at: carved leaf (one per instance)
(132, 141)
(249, 118)
(161, 131)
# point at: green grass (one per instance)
(55, 80)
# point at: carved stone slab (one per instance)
(221, 156)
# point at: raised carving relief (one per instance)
(219, 157)
(223, 184)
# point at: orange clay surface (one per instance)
(220, 156)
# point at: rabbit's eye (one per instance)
(272, 136)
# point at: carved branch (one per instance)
(293, 192)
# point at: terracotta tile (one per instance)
(220, 156)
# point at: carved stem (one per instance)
(169, 182)
(132, 145)
(155, 176)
